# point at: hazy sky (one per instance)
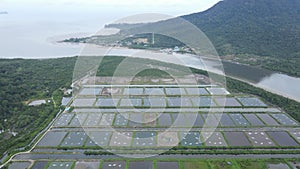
(32, 27)
(170, 7)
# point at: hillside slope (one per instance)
(261, 27)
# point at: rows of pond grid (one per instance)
(153, 91)
(130, 120)
(162, 97)
(140, 139)
(169, 101)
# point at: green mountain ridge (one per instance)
(260, 27)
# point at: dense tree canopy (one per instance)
(22, 80)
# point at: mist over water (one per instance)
(32, 32)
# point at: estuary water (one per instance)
(275, 82)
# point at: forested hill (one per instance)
(22, 80)
(260, 27)
(263, 33)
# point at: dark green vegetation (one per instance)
(153, 73)
(269, 29)
(126, 66)
(186, 151)
(25, 80)
(109, 66)
(257, 27)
